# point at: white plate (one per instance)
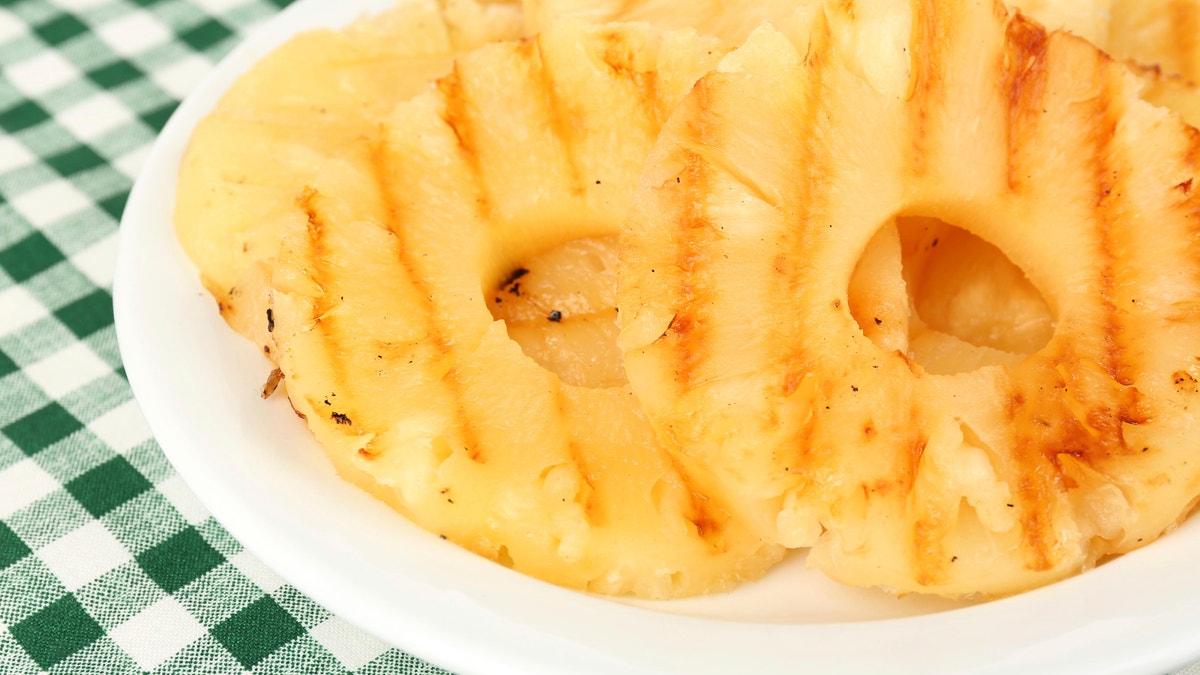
(255, 466)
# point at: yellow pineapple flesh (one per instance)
(728, 20)
(280, 122)
(515, 169)
(765, 191)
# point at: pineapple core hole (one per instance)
(560, 305)
(947, 298)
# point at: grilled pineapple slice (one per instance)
(302, 104)
(764, 192)
(522, 161)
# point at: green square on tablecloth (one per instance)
(180, 560)
(206, 34)
(304, 649)
(87, 314)
(60, 29)
(42, 428)
(107, 486)
(257, 630)
(115, 205)
(157, 118)
(29, 257)
(75, 160)
(6, 364)
(12, 548)
(57, 631)
(113, 75)
(22, 116)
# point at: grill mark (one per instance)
(710, 518)
(1109, 184)
(621, 57)
(689, 329)
(807, 198)
(1025, 83)
(458, 118)
(322, 274)
(558, 113)
(319, 272)
(443, 343)
(930, 44)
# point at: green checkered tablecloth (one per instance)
(108, 564)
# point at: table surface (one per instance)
(108, 563)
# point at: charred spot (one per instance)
(513, 276)
(340, 418)
(837, 304)
(554, 316)
(878, 321)
(267, 350)
(1025, 78)
(869, 430)
(270, 320)
(1185, 382)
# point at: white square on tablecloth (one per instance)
(351, 646)
(256, 571)
(40, 74)
(48, 203)
(157, 633)
(98, 262)
(87, 120)
(10, 26)
(66, 370)
(19, 309)
(179, 78)
(121, 428)
(84, 554)
(13, 154)
(184, 500)
(134, 33)
(22, 484)
(215, 7)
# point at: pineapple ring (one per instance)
(390, 352)
(764, 190)
(301, 105)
